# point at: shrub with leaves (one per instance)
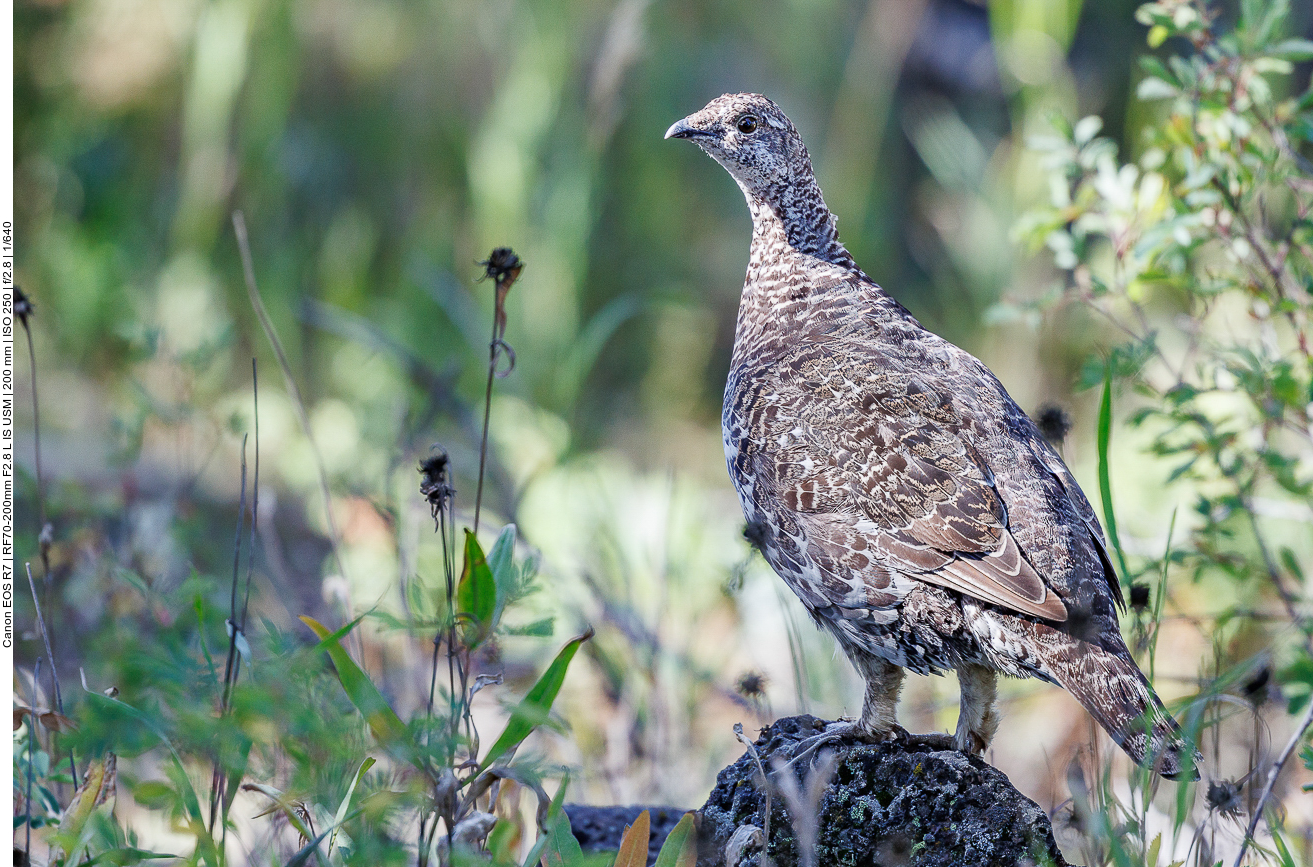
(1199, 254)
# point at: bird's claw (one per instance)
(834, 731)
(934, 740)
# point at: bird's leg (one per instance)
(878, 721)
(976, 720)
(884, 681)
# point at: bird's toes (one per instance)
(834, 732)
(934, 740)
(969, 742)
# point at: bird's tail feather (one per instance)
(1117, 695)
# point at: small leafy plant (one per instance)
(288, 735)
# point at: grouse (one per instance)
(916, 511)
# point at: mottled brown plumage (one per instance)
(913, 507)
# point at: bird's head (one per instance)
(749, 135)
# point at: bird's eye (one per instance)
(747, 124)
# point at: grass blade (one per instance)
(383, 721)
(346, 801)
(1105, 476)
(681, 847)
(176, 773)
(536, 704)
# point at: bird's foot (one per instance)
(842, 731)
(835, 731)
(969, 742)
(934, 740)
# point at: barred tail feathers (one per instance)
(1117, 695)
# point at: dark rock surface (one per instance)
(902, 803)
(600, 828)
(896, 803)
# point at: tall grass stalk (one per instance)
(503, 267)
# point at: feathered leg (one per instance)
(884, 681)
(976, 720)
(879, 711)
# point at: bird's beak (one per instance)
(684, 129)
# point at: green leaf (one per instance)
(1151, 857)
(1155, 67)
(153, 794)
(126, 855)
(563, 849)
(681, 847)
(1105, 475)
(532, 711)
(502, 565)
(1298, 50)
(541, 628)
(206, 851)
(311, 848)
(476, 595)
(1287, 860)
(1291, 563)
(383, 720)
(346, 801)
(555, 813)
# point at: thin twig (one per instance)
(19, 298)
(1272, 775)
(54, 674)
(504, 267)
(255, 492)
(218, 779)
(487, 415)
(298, 405)
(765, 783)
(31, 743)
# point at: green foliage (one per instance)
(1201, 253)
(434, 773)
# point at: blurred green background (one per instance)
(378, 150)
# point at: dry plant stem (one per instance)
(487, 414)
(54, 675)
(217, 779)
(255, 493)
(40, 477)
(765, 781)
(257, 303)
(31, 744)
(504, 280)
(1288, 599)
(1272, 774)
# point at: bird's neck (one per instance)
(796, 270)
(793, 219)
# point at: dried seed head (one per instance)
(23, 306)
(1224, 797)
(1053, 422)
(435, 481)
(1139, 596)
(1255, 689)
(752, 685)
(757, 533)
(502, 264)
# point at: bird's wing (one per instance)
(1051, 460)
(876, 460)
